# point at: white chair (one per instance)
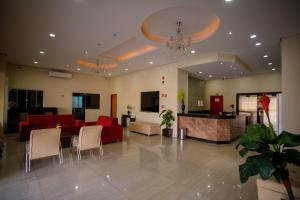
(89, 138)
(43, 143)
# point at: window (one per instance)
(23, 98)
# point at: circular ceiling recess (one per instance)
(197, 22)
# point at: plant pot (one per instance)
(167, 132)
(269, 189)
(182, 108)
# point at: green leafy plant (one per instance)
(272, 152)
(181, 96)
(167, 118)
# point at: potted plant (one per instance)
(272, 153)
(180, 98)
(129, 108)
(167, 120)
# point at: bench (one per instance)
(146, 128)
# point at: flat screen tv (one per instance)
(150, 101)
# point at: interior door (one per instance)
(216, 104)
(113, 105)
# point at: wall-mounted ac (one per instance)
(59, 74)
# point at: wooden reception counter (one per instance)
(212, 128)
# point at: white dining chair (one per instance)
(43, 143)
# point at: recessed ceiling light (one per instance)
(257, 44)
(109, 74)
(200, 72)
(230, 66)
(78, 69)
(36, 62)
(273, 69)
(52, 35)
(265, 56)
(150, 62)
(193, 51)
(230, 33)
(252, 36)
(210, 76)
(126, 69)
(42, 52)
(86, 52)
(270, 63)
(228, 0)
(221, 63)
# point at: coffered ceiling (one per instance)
(102, 32)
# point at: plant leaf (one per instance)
(288, 139)
(292, 156)
(258, 164)
(243, 152)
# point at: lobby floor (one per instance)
(140, 168)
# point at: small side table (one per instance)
(124, 119)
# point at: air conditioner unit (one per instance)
(59, 74)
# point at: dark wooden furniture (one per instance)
(124, 119)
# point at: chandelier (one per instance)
(178, 42)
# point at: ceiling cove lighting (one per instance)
(252, 36)
(52, 35)
(265, 56)
(257, 44)
(42, 52)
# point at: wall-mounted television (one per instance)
(150, 101)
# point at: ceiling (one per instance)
(89, 29)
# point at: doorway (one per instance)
(113, 105)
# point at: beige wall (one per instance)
(291, 83)
(58, 91)
(2, 90)
(195, 93)
(270, 82)
(183, 85)
(129, 87)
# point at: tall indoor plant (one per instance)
(180, 98)
(272, 152)
(167, 121)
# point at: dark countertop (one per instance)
(207, 116)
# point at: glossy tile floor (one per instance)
(140, 167)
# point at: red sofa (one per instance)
(111, 132)
(70, 125)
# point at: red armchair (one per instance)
(69, 124)
(111, 132)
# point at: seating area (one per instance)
(146, 128)
(69, 125)
(154, 100)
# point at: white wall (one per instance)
(270, 82)
(58, 91)
(129, 87)
(290, 49)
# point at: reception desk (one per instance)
(212, 128)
